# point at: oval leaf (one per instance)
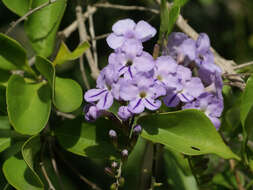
(47, 20)
(86, 139)
(28, 105)
(187, 131)
(68, 94)
(19, 175)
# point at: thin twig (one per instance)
(13, 25)
(84, 76)
(236, 173)
(92, 34)
(127, 8)
(65, 115)
(75, 171)
(83, 37)
(54, 164)
(43, 169)
(72, 27)
(243, 65)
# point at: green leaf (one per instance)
(20, 7)
(65, 54)
(5, 135)
(164, 17)
(86, 139)
(247, 101)
(169, 17)
(29, 150)
(246, 113)
(28, 105)
(4, 77)
(19, 175)
(8, 48)
(175, 164)
(173, 15)
(67, 94)
(42, 26)
(187, 131)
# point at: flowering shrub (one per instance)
(184, 76)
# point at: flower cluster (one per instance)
(184, 76)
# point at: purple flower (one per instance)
(181, 48)
(128, 65)
(183, 88)
(142, 92)
(165, 67)
(126, 29)
(105, 86)
(124, 113)
(92, 113)
(210, 105)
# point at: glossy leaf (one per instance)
(41, 27)
(29, 150)
(86, 139)
(20, 7)
(28, 105)
(187, 131)
(246, 101)
(67, 94)
(175, 165)
(8, 48)
(65, 54)
(19, 175)
(173, 15)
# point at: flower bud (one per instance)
(124, 113)
(91, 113)
(113, 186)
(121, 181)
(109, 172)
(124, 155)
(137, 129)
(112, 133)
(114, 165)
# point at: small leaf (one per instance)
(41, 27)
(28, 105)
(19, 175)
(86, 139)
(9, 47)
(20, 7)
(29, 150)
(187, 131)
(173, 15)
(65, 55)
(67, 94)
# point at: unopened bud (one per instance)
(114, 165)
(113, 186)
(124, 154)
(109, 172)
(112, 134)
(137, 129)
(121, 181)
